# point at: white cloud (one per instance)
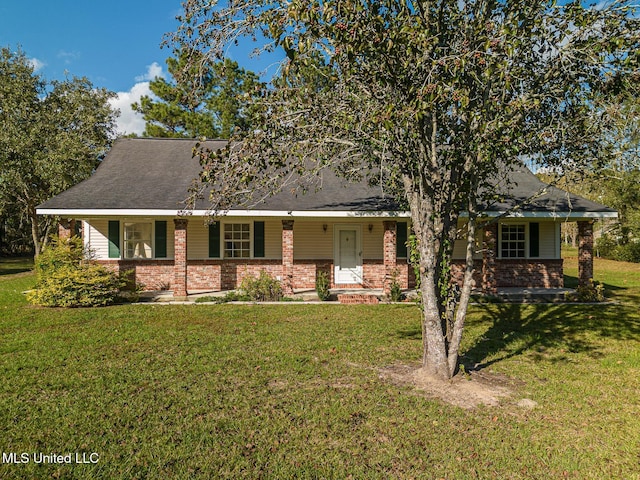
(36, 64)
(129, 121)
(154, 70)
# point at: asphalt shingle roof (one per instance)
(155, 174)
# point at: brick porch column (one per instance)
(489, 243)
(389, 253)
(287, 256)
(585, 252)
(66, 229)
(180, 259)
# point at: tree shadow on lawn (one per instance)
(13, 265)
(548, 332)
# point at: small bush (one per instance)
(322, 286)
(607, 247)
(66, 279)
(627, 253)
(263, 288)
(591, 293)
(395, 290)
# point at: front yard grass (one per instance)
(293, 391)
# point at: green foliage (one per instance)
(52, 135)
(608, 247)
(395, 290)
(66, 279)
(591, 293)
(205, 99)
(156, 389)
(434, 101)
(263, 288)
(322, 285)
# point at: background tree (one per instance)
(204, 99)
(52, 135)
(434, 100)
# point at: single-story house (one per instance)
(131, 214)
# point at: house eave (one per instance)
(133, 212)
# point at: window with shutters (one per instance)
(237, 240)
(137, 240)
(519, 240)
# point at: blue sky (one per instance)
(115, 44)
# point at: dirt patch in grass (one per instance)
(465, 390)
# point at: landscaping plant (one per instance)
(67, 278)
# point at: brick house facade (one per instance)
(131, 216)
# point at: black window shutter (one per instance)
(161, 239)
(534, 240)
(214, 240)
(258, 239)
(401, 240)
(114, 238)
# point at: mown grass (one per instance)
(293, 391)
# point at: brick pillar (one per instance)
(489, 243)
(66, 229)
(389, 253)
(287, 256)
(180, 259)
(585, 253)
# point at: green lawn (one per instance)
(293, 391)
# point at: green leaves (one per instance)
(205, 99)
(52, 135)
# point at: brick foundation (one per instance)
(215, 275)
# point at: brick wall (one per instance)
(529, 273)
(516, 273)
(215, 275)
(585, 253)
(154, 274)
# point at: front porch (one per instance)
(375, 259)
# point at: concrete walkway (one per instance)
(508, 295)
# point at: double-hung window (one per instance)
(137, 240)
(237, 240)
(512, 241)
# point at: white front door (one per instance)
(347, 254)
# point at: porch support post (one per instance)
(287, 256)
(180, 259)
(389, 253)
(66, 229)
(585, 252)
(489, 243)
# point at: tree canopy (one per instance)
(52, 135)
(204, 99)
(435, 100)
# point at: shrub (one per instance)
(263, 288)
(627, 253)
(322, 286)
(591, 293)
(395, 291)
(607, 247)
(66, 279)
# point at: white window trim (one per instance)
(526, 240)
(222, 240)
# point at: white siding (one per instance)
(96, 237)
(548, 240)
(273, 238)
(96, 234)
(310, 241)
(197, 239)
